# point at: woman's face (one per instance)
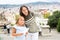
(25, 11)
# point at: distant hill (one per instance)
(44, 3)
(33, 3)
(8, 5)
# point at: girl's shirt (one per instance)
(20, 29)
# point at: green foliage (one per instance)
(58, 26)
(0, 38)
(53, 20)
(16, 17)
(12, 24)
(46, 15)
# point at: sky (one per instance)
(24, 1)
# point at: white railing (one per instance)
(42, 23)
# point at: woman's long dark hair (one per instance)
(20, 11)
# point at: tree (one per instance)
(58, 26)
(46, 14)
(53, 20)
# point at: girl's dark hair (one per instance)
(20, 11)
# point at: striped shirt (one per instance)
(31, 24)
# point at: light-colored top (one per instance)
(20, 29)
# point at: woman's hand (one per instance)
(26, 33)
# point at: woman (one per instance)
(30, 23)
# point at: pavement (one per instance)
(53, 35)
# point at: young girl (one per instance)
(19, 30)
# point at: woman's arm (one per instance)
(14, 32)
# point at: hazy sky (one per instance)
(24, 1)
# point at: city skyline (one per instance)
(25, 1)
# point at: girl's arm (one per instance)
(14, 32)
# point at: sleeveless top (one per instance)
(31, 24)
(20, 30)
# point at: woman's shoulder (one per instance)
(32, 13)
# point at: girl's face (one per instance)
(24, 11)
(21, 21)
